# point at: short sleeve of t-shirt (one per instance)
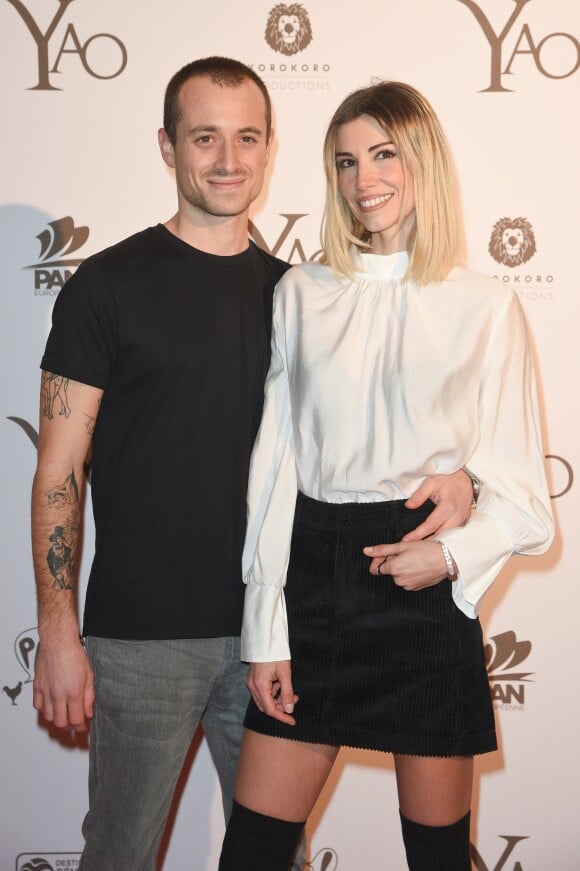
(81, 344)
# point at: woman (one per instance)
(390, 363)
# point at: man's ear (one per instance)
(166, 147)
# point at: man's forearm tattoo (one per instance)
(89, 423)
(61, 554)
(54, 387)
(64, 494)
(60, 560)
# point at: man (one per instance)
(163, 342)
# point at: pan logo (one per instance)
(288, 30)
(503, 654)
(47, 861)
(25, 647)
(556, 55)
(511, 842)
(57, 241)
(98, 60)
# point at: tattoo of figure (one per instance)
(89, 423)
(61, 553)
(54, 387)
(60, 561)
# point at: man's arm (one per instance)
(63, 681)
(453, 497)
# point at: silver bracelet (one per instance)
(452, 572)
(476, 485)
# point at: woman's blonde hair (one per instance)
(436, 241)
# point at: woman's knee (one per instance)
(434, 791)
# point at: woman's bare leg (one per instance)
(434, 790)
(277, 785)
(281, 778)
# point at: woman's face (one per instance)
(373, 183)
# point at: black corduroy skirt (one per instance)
(377, 666)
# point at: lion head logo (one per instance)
(512, 241)
(288, 29)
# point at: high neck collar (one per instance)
(383, 266)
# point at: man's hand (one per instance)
(270, 685)
(452, 495)
(63, 681)
(412, 565)
(63, 689)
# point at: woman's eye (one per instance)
(344, 163)
(385, 153)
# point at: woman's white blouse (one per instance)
(375, 384)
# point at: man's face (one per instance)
(221, 149)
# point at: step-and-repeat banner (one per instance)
(81, 96)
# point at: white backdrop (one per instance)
(80, 102)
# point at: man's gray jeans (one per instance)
(150, 698)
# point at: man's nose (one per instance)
(226, 158)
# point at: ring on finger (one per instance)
(379, 566)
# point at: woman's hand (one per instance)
(413, 565)
(270, 686)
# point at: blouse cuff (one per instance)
(265, 627)
(480, 550)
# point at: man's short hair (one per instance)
(224, 71)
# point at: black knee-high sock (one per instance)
(437, 848)
(254, 842)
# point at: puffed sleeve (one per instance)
(513, 511)
(271, 499)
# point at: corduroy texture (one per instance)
(374, 665)
(255, 842)
(437, 848)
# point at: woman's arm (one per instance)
(513, 512)
(272, 493)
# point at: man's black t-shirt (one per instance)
(179, 341)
